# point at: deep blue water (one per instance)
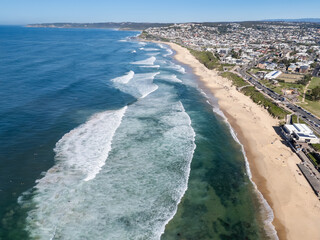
(99, 134)
(51, 81)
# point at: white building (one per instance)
(301, 133)
(273, 75)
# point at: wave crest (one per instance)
(148, 61)
(125, 78)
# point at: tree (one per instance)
(234, 54)
(217, 55)
(293, 53)
(310, 50)
(287, 62)
(313, 65)
(305, 80)
(315, 93)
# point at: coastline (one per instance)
(273, 165)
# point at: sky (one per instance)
(88, 11)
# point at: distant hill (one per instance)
(143, 26)
(122, 25)
(302, 20)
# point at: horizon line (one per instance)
(153, 22)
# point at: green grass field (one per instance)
(316, 147)
(313, 159)
(311, 106)
(268, 104)
(207, 59)
(236, 80)
(315, 81)
(290, 78)
(277, 88)
(296, 119)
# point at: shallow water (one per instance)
(101, 134)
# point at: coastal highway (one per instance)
(308, 117)
(255, 82)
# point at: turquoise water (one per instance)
(101, 137)
(219, 203)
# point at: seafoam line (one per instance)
(266, 211)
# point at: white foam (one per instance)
(169, 52)
(146, 92)
(124, 40)
(144, 83)
(86, 147)
(80, 156)
(150, 49)
(134, 51)
(161, 45)
(176, 67)
(266, 210)
(183, 187)
(136, 193)
(180, 69)
(142, 43)
(152, 54)
(168, 49)
(150, 66)
(170, 78)
(140, 86)
(148, 61)
(125, 78)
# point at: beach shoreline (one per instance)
(295, 207)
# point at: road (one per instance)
(308, 117)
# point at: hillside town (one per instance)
(279, 61)
(284, 56)
(240, 43)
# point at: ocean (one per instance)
(107, 137)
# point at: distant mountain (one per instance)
(302, 20)
(122, 25)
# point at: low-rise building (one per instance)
(262, 65)
(300, 133)
(271, 66)
(273, 75)
(303, 69)
(292, 67)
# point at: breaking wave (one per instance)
(150, 49)
(140, 86)
(169, 52)
(170, 78)
(150, 66)
(86, 148)
(148, 61)
(176, 67)
(125, 78)
(136, 193)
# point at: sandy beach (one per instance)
(273, 165)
